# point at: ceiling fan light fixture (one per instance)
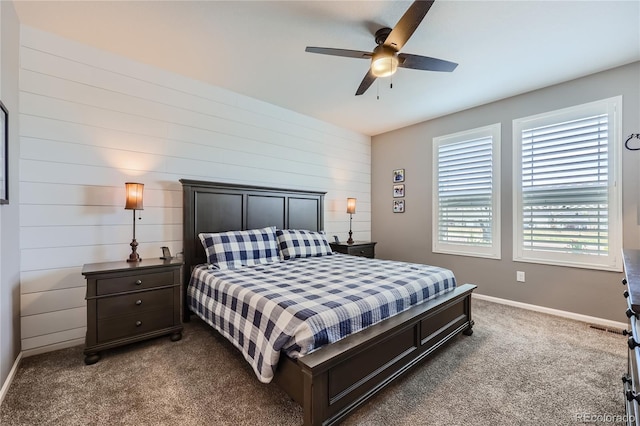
(385, 58)
(384, 61)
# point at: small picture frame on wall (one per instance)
(398, 175)
(398, 206)
(398, 191)
(4, 155)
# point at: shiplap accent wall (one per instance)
(91, 120)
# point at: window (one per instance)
(466, 193)
(567, 201)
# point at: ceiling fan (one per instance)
(385, 58)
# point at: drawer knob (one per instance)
(625, 294)
(138, 323)
(138, 302)
(138, 282)
(624, 281)
(629, 313)
(632, 343)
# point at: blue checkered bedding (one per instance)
(299, 305)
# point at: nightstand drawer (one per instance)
(132, 325)
(365, 251)
(358, 248)
(133, 282)
(134, 303)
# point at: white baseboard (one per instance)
(9, 380)
(564, 314)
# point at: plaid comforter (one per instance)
(299, 305)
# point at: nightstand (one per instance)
(131, 301)
(358, 248)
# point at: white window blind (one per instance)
(466, 214)
(567, 200)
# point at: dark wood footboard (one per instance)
(333, 381)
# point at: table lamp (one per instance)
(134, 202)
(351, 209)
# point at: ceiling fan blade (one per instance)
(417, 62)
(407, 24)
(367, 81)
(339, 52)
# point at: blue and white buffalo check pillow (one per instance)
(235, 249)
(295, 243)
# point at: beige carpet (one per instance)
(518, 368)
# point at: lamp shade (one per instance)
(134, 196)
(351, 205)
(384, 61)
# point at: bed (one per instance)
(335, 379)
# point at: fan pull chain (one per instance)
(378, 89)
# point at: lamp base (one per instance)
(350, 240)
(134, 256)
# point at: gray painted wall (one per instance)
(9, 213)
(407, 236)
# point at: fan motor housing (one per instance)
(382, 34)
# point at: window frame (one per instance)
(494, 251)
(613, 261)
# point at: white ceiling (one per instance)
(256, 48)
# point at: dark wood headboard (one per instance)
(220, 207)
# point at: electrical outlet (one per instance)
(520, 276)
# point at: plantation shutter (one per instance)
(465, 188)
(565, 187)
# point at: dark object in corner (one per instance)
(4, 155)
